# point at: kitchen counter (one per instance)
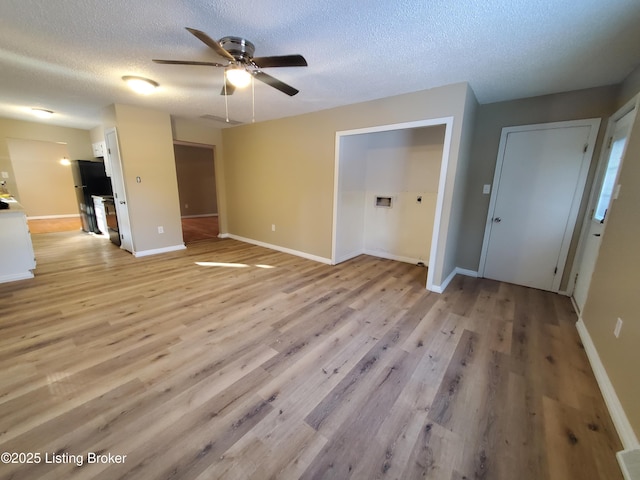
(17, 260)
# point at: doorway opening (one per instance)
(195, 172)
(388, 191)
(604, 190)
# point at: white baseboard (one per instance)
(290, 251)
(200, 216)
(348, 256)
(462, 271)
(50, 217)
(15, 277)
(629, 461)
(155, 251)
(391, 256)
(618, 415)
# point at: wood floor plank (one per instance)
(228, 360)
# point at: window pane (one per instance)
(608, 183)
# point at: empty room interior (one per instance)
(319, 240)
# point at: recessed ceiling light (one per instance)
(41, 112)
(140, 85)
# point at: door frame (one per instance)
(631, 106)
(436, 249)
(118, 186)
(594, 123)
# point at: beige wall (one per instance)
(630, 87)
(196, 180)
(146, 149)
(615, 287)
(282, 172)
(490, 119)
(46, 186)
(77, 142)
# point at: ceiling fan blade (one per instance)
(230, 87)
(187, 62)
(280, 61)
(210, 42)
(275, 83)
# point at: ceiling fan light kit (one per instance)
(238, 53)
(238, 76)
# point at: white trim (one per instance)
(155, 251)
(631, 106)
(629, 463)
(462, 271)
(448, 123)
(16, 276)
(200, 216)
(391, 256)
(618, 415)
(587, 158)
(435, 237)
(47, 217)
(348, 256)
(223, 235)
(290, 251)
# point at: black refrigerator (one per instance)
(89, 178)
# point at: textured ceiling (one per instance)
(69, 56)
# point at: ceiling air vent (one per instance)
(216, 118)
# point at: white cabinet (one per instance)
(100, 150)
(16, 250)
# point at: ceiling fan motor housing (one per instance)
(242, 50)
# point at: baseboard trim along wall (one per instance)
(391, 256)
(16, 276)
(462, 271)
(155, 251)
(200, 216)
(629, 461)
(50, 217)
(297, 253)
(618, 415)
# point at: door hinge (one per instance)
(609, 142)
(109, 151)
(555, 270)
(586, 147)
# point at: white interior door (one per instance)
(119, 192)
(539, 181)
(606, 186)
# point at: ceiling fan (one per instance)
(241, 65)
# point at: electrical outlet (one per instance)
(5, 174)
(486, 189)
(616, 331)
(186, 205)
(273, 227)
(160, 229)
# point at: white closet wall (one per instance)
(403, 165)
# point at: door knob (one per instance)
(122, 202)
(497, 220)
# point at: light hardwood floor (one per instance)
(199, 228)
(227, 360)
